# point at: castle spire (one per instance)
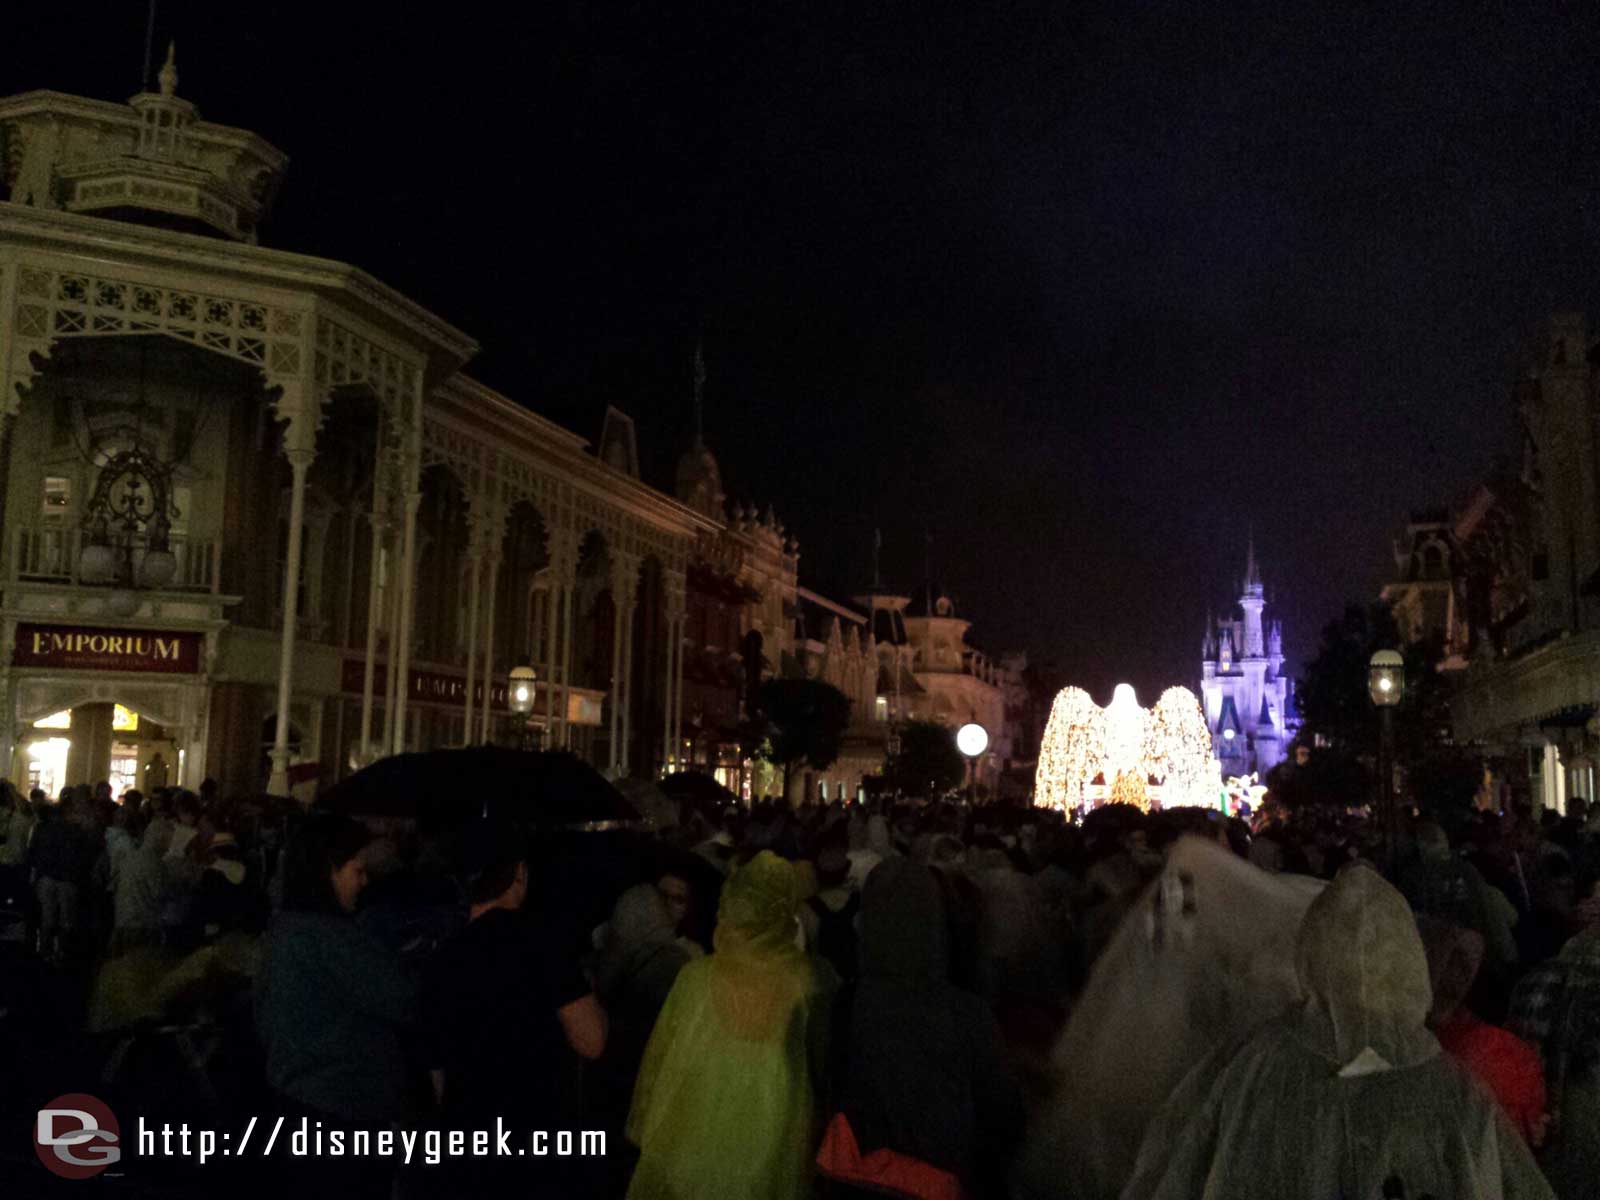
(1252, 576)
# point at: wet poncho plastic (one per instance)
(725, 1105)
(1346, 1095)
(1204, 955)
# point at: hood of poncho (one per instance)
(904, 935)
(758, 911)
(1363, 968)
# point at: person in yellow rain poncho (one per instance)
(726, 1107)
(1346, 1094)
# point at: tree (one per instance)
(1334, 705)
(928, 760)
(798, 721)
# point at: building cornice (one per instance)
(476, 410)
(123, 242)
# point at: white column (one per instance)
(474, 587)
(627, 681)
(552, 611)
(488, 647)
(566, 666)
(392, 627)
(616, 675)
(408, 587)
(374, 619)
(299, 464)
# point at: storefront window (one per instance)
(60, 720)
(124, 720)
(124, 772)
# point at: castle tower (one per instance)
(1252, 602)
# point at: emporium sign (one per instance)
(427, 687)
(80, 648)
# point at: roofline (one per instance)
(831, 605)
(41, 100)
(76, 233)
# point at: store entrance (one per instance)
(95, 742)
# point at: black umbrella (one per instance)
(438, 789)
(698, 787)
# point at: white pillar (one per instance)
(616, 676)
(408, 578)
(566, 666)
(552, 611)
(474, 587)
(627, 682)
(488, 647)
(374, 619)
(391, 578)
(299, 464)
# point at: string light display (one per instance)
(1126, 754)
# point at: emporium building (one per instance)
(257, 524)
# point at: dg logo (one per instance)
(76, 1136)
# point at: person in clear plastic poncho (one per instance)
(725, 1105)
(1346, 1094)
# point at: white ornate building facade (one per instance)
(254, 508)
(1247, 698)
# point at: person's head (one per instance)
(1432, 842)
(1454, 956)
(758, 915)
(678, 894)
(102, 790)
(1364, 972)
(187, 807)
(494, 866)
(133, 799)
(323, 870)
(833, 866)
(36, 797)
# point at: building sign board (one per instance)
(439, 687)
(81, 648)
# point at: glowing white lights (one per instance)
(972, 740)
(1126, 754)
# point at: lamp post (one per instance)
(972, 740)
(520, 697)
(1386, 684)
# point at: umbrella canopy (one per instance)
(698, 787)
(441, 788)
(658, 808)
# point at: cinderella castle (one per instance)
(1248, 700)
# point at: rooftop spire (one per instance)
(169, 71)
(877, 554)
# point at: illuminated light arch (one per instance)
(1156, 757)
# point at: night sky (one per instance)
(1081, 290)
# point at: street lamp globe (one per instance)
(521, 690)
(972, 739)
(1386, 678)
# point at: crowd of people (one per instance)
(855, 999)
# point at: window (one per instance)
(881, 710)
(124, 720)
(60, 720)
(56, 503)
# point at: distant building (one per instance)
(1248, 700)
(929, 671)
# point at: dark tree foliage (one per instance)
(799, 721)
(928, 763)
(1333, 702)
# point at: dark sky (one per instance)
(1083, 290)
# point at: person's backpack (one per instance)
(836, 934)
